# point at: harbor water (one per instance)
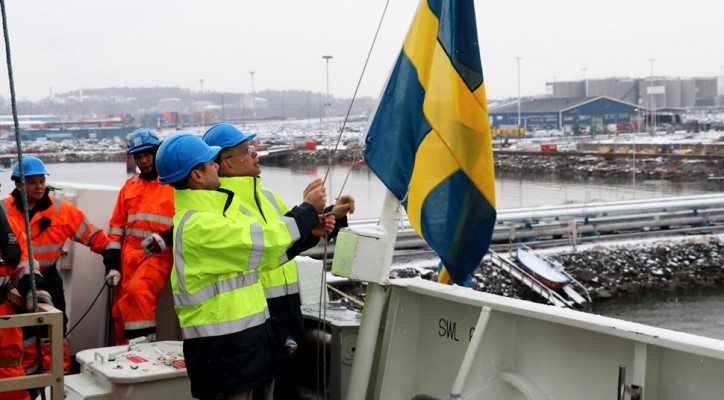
(699, 311)
(511, 191)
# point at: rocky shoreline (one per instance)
(623, 269)
(596, 166)
(576, 166)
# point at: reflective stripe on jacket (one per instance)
(264, 205)
(142, 208)
(66, 221)
(11, 355)
(217, 254)
(14, 271)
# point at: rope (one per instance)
(321, 326)
(19, 146)
(354, 96)
(23, 188)
(87, 310)
(80, 319)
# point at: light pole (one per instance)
(203, 122)
(327, 103)
(518, 60)
(721, 85)
(585, 82)
(253, 99)
(652, 102)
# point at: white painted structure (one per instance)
(422, 340)
(447, 341)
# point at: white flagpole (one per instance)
(374, 304)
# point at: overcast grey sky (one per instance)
(66, 45)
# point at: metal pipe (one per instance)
(516, 214)
(621, 391)
(472, 353)
(366, 342)
(634, 391)
(609, 208)
(374, 304)
(599, 227)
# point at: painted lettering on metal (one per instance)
(447, 329)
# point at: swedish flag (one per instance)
(429, 141)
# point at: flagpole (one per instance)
(374, 306)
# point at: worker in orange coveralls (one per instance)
(11, 343)
(52, 223)
(11, 339)
(144, 207)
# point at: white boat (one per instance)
(415, 340)
(541, 269)
(431, 341)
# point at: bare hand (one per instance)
(344, 206)
(325, 226)
(316, 196)
(312, 185)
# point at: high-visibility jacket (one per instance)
(217, 295)
(143, 207)
(11, 252)
(53, 222)
(263, 206)
(11, 354)
(217, 253)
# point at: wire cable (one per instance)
(322, 324)
(354, 96)
(23, 189)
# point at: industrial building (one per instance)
(570, 115)
(652, 93)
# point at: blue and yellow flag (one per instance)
(429, 141)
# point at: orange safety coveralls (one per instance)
(53, 222)
(11, 354)
(11, 342)
(143, 207)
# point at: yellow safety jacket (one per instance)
(217, 254)
(264, 206)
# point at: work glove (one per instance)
(43, 297)
(153, 244)
(113, 277)
(112, 259)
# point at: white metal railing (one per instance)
(53, 318)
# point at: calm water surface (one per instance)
(699, 312)
(511, 191)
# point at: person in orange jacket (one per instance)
(52, 223)
(11, 344)
(143, 207)
(11, 339)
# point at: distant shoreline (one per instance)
(646, 166)
(654, 167)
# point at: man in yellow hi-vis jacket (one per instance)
(239, 172)
(217, 253)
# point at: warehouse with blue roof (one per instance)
(569, 115)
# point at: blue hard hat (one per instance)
(142, 139)
(179, 154)
(225, 136)
(32, 166)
